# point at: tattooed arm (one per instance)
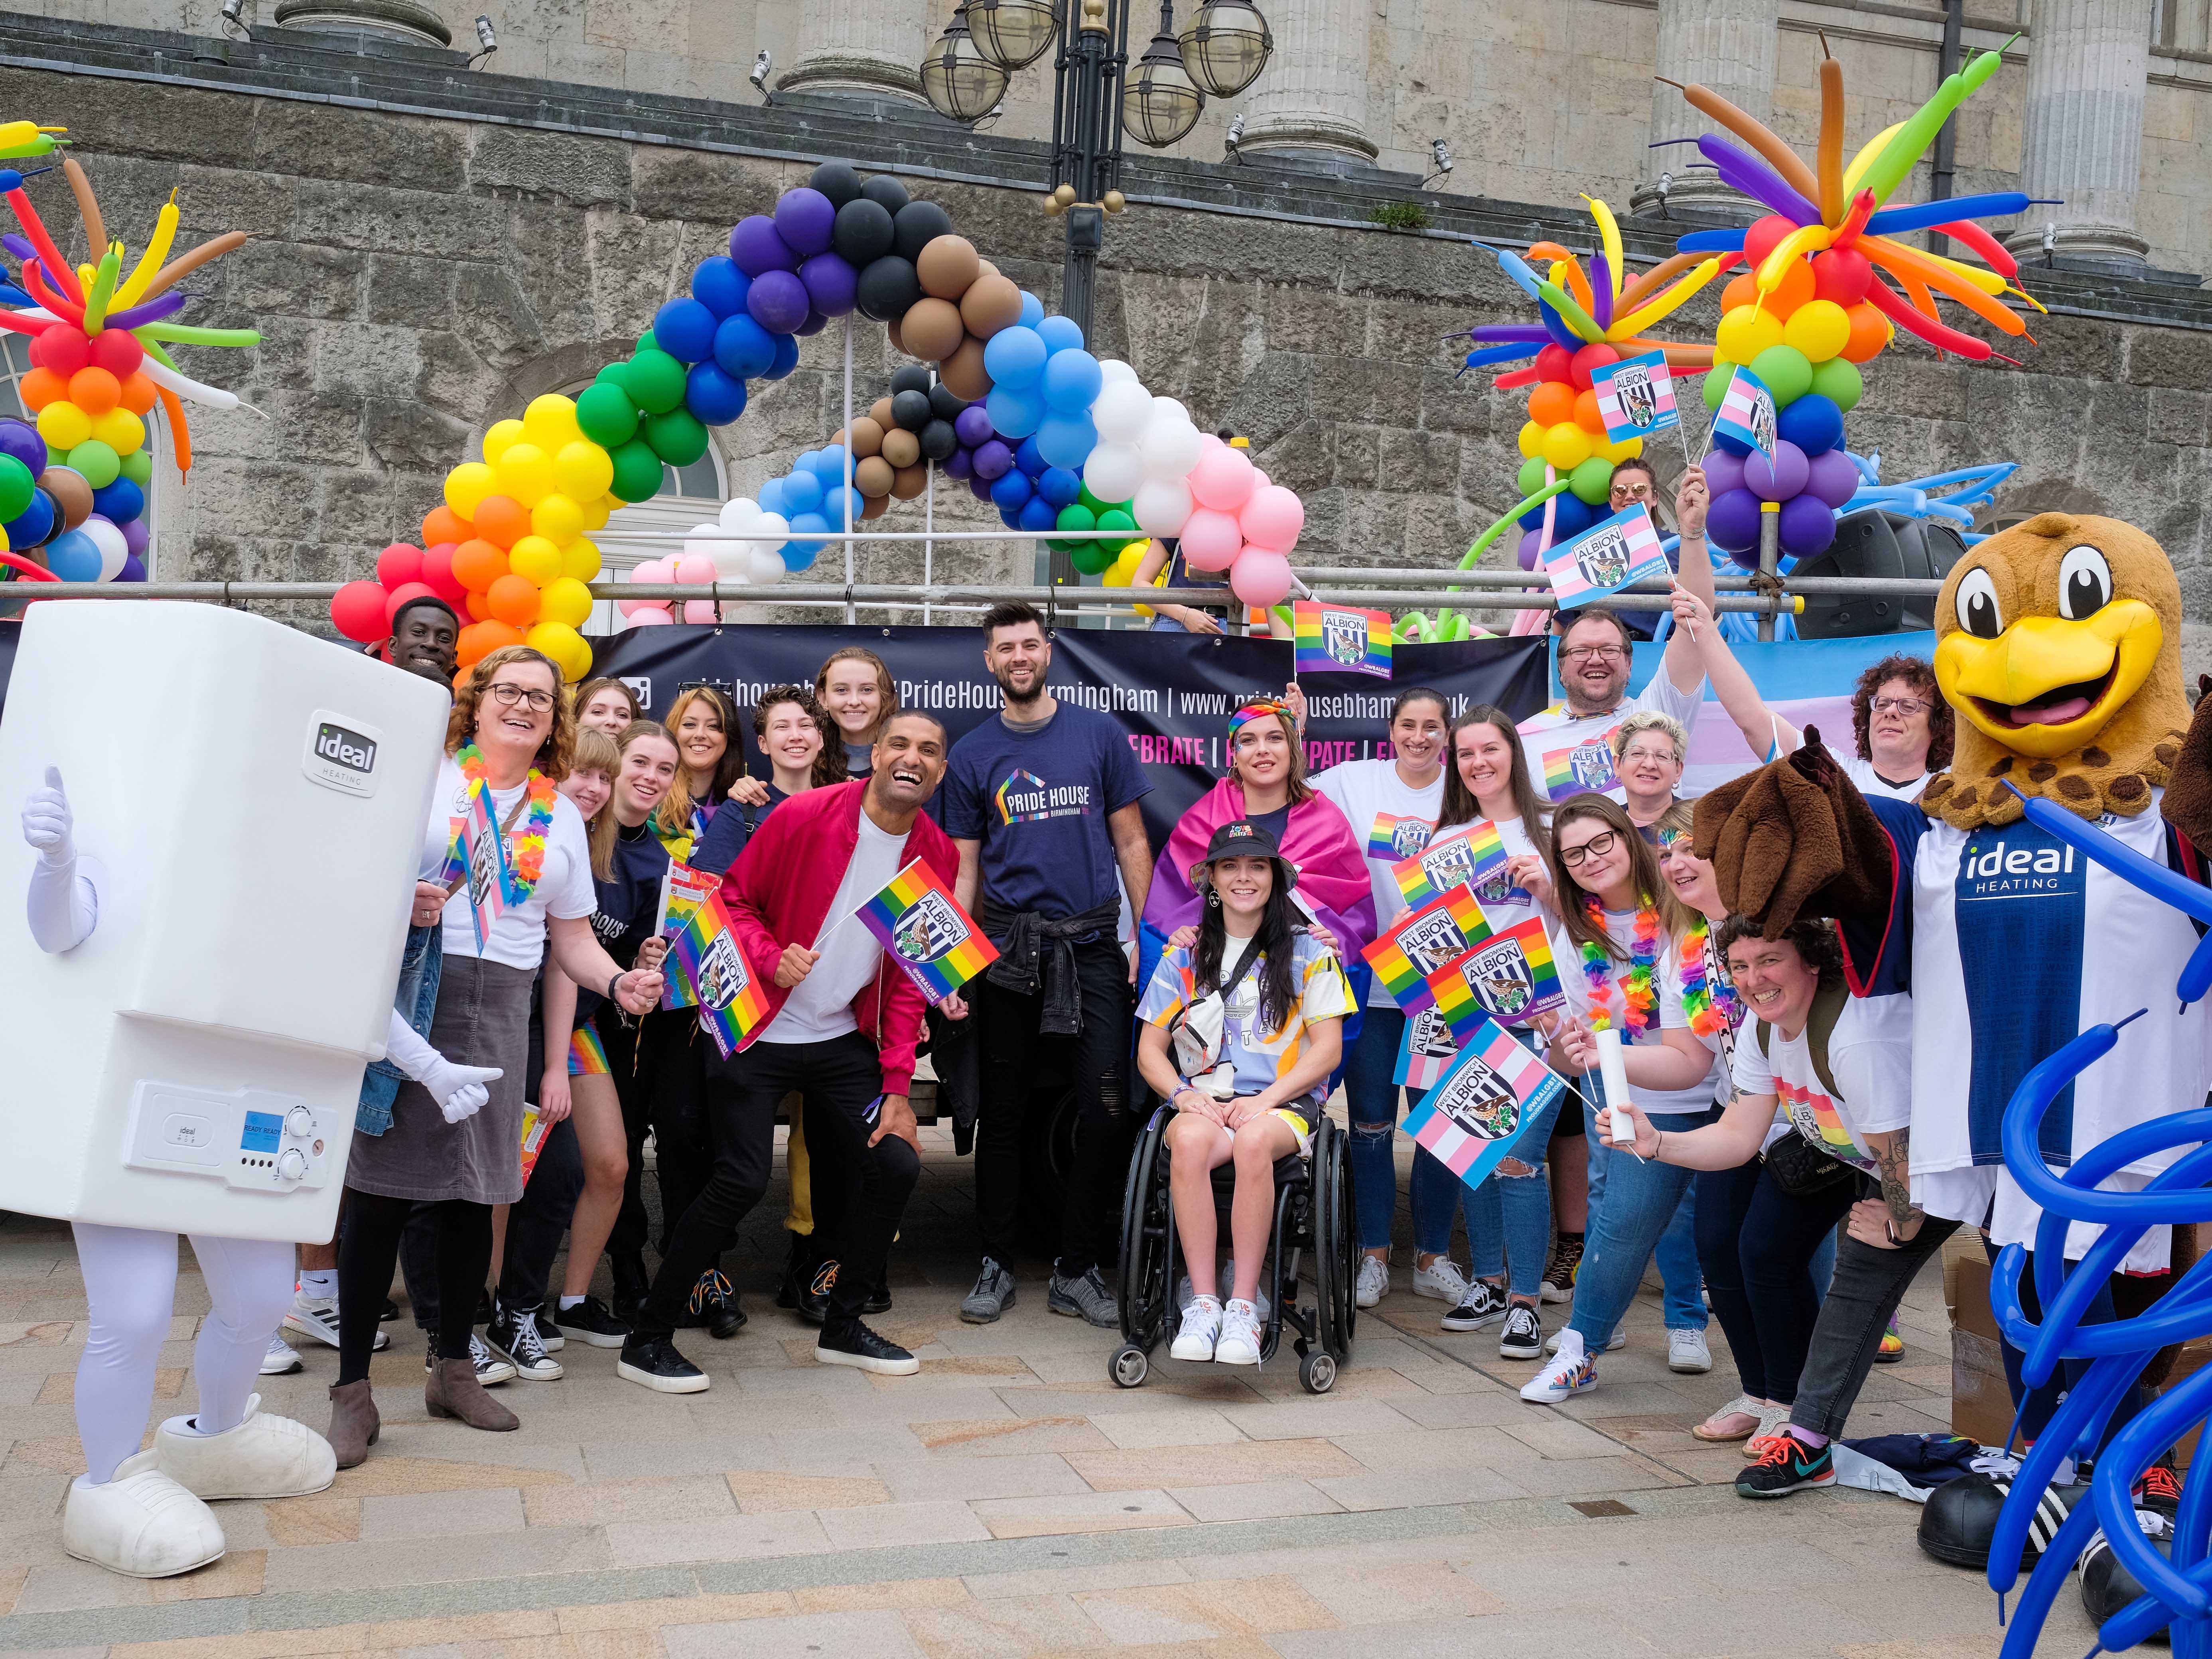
(1890, 1220)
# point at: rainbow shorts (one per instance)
(586, 1057)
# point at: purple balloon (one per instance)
(993, 458)
(134, 536)
(960, 464)
(1724, 472)
(1808, 525)
(134, 570)
(805, 218)
(757, 249)
(1532, 549)
(20, 439)
(831, 284)
(777, 301)
(1778, 479)
(972, 426)
(1832, 477)
(815, 323)
(979, 488)
(1732, 521)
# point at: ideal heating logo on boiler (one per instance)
(348, 748)
(340, 756)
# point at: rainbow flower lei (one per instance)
(1637, 999)
(1707, 997)
(526, 853)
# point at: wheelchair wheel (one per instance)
(1336, 1247)
(1129, 1366)
(1147, 1273)
(1317, 1371)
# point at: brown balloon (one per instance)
(872, 477)
(902, 448)
(909, 482)
(985, 268)
(875, 507)
(991, 303)
(71, 493)
(867, 436)
(880, 412)
(963, 371)
(897, 336)
(947, 265)
(933, 327)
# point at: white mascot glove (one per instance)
(459, 1091)
(46, 821)
(62, 906)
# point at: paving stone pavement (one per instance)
(1008, 1502)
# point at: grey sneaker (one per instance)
(1084, 1297)
(993, 1295)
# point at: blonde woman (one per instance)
(1650, 750)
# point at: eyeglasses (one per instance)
(1594, 653)
(1632, 492)
(1596, 847)
(1898, 706)
(508, 694)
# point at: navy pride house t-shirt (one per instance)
(1038, 802)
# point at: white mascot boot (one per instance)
(264, 1456)
(141, 1524)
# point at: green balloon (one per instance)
(637, 471)
(1115, 523)
(1084, 498)
(1591, 481)
(1785, 371)
(137, 466)
(1717, 385)
(1839, 379)
(1092, 558)
(648, 342)
(16, 484)
(1530, 479)
(606, 413)
(97, 461)
(654, 381)
(1076, 516)
(677, 437)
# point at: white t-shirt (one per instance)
(1503, 904)
(820, 1006)
(1568, 756)
(517, 939)
(1391, 820)
(1870, 1055)
(1862, 773)
(1582, 1000)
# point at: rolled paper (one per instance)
(1614, 1071)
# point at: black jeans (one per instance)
(1723, 1198)
(535, 1226)
(1869, 1283)
(626, 1239)
(1781, 1235)
(684, 1085)
(368, 1249)
(859, 1191)
(1098, 1057)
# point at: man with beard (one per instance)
(425, 636)
(1041, 803)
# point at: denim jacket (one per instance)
(416, 1001)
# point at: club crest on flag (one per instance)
(1636, 397)
(1610, 554)
(1584, 766)
(1432, 941)
(721, 974)
(1449, 861)
(1426, 1049)
(926, 933)
(1510, 977)
(1394, 838)
(1746, 412)
(1333, 639)
(931, 926)
(1472, 1114)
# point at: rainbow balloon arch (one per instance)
(1054, 437)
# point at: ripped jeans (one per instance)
(1509, 1217)
(1372, 1099)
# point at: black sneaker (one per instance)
(593, 1321)
(1566, 1262)
(879, 1299)
(1483, 1305)
(1787, 1465)
(1523, 1335)
(794, 1272)
(861, 1347)
(714, 1305)
(814, 1301)
(548, 1333)
(390, 1312)
(653, 1362)
(512, 1332)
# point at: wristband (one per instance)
(611, 983)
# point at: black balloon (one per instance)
(885, 191)
(915, 377)
(945, 403)
(938, 439)
(887, 288)
(836, 180)
(863, 232)
(921, 223)
(910, 409)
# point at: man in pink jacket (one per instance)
(840, 1029)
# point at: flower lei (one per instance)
(1707, 997)
(1637, 996)
(526, 853)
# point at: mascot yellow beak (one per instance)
(2045, 686)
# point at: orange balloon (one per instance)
(1551, 403)
(502, 520)
(1587, 414)
(1869, 333)
(94, 391)
(1795, 288)
(1741, 291)
(501, 636)
(138, 393)
(441, 523)
(474, 604)
(41, 386)
(478, 564)
(515, 599)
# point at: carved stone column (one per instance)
(1312, 96)
(866, 47)
(1730, 47)
(2081, 133)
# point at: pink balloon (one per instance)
(654, 570)
(1210, 440)
(631, 607)
(1273, 518)
(695, 569)
(1260, 577)
(1221, 479)
(1211, 539)
(650, 616)
(701, 610)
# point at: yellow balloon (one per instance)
(502, 436)
(583, 468)
(1627, 450)
(526, 473)
(1567, 446)
(120, 430)
(565, 645)
(535, 558)
(1531, 440)
(1745, 332)
(63, 425)
(466, 486)
(550, 421)
(580, 559)
(565, 600)
(595, 513)
(558, 519)
(1818, 328)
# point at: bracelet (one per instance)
(611, 983)
(1659, 1150)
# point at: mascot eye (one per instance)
(2085, 583)
(1977, 605)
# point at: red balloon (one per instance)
(118, 351)
(358, 611)
(1590, 357)
(404, 595)
(1554, 362)
(1841, 274)
(398, 565)
(437, 572)
(62, 348)
(1764, 237)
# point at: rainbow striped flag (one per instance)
(1334, 639)
(1509, 976)
(1422, 941)
(705, 960)
(1458, 859)
(926, 933)
(1610, 555)
(475, 853)
(1581, 767)
(1746, 412)
(1473, 1113)
(1394, 837)
(1636, 396)
(1425, 1051)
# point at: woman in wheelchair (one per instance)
(1241, 1030)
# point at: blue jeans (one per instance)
(1509, 1220)
(1372, 1099)
(1641, 1205)
(1723, 1197)
(1677, 1246)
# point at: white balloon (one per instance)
(771, 524)
(1114, 471)
(1168, 409)
(739, 512)
(1160, 506)
(1170, 448)
(1122, 413)
(1114, 371)
(767, 565)
(114, 549)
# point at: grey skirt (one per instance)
(482, 1018)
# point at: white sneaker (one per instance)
(1239, 1342)
(1614, 1343)
(491, 1368)
(318, 1319)
(263, 1456)
(280, 1360)
(142, 1525)
(1373, 1282)
(1201, 1326)
(1687, 1352)
(1187, 1293)
(1569, 1374)
(1442, 1280)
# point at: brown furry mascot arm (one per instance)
(2187, 804)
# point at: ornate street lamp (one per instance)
(1161, 103)
(961, 83)
(1013, 34)
(1226, 46)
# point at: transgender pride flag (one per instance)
(1610, 555)
(1636, 396)
(1746, 412)
(1473, 1113)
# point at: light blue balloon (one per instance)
(74, 556)
(813, 523)
(802, 493)
(1070, 380)
(1014, 357)
(1014, 414)
(1032, 310)
(1066, 440)
(855, 505)
(828, 464)
(771, 497)
(1059, 334)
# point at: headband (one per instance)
(1258, 709)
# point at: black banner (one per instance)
(1173, 692)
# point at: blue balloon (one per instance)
(74, 556)
(1072, 380)
(714, 398)
(827, 464)
(770, 496)
(720, 286)
(787, 357)
(1012, 490)
(1573, 516)
(1010, 518)
(34, 524)
(1058, 485)
(1066, 440)
(802, 493)
(1059, 333)
(855, 505)
(1014, 357)
(1032, 310)
(743, 348)
(812, 523)
(1013, 414)
(119, 502)
(1038, 514)
(1030, 459)
(1813, 422)
(685, 329)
